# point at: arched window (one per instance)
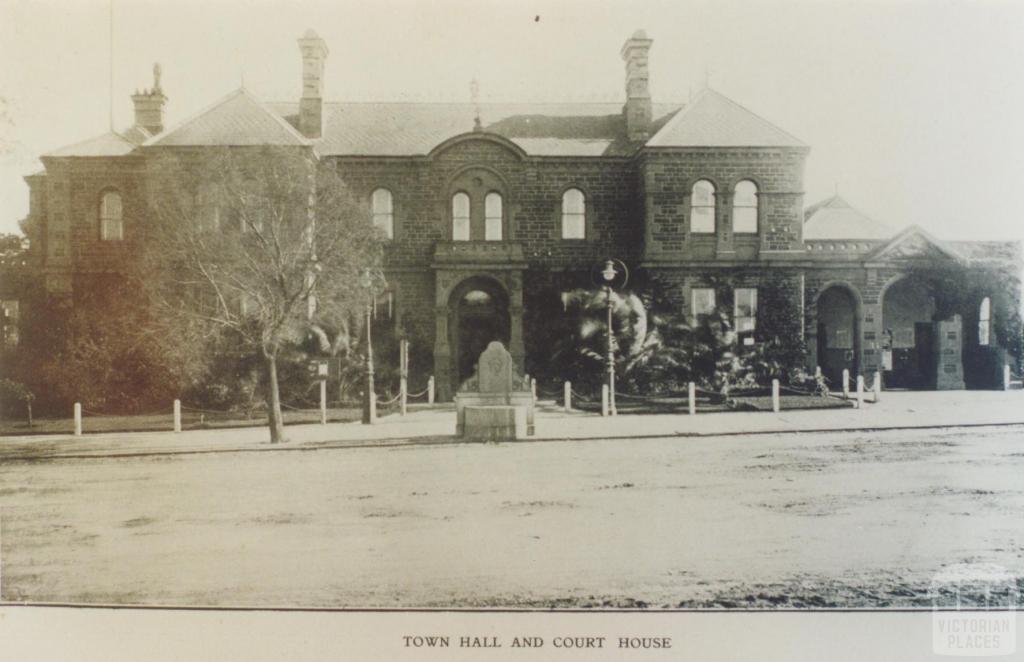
(574, 215)
(744, 208)
(985, 322)
(111, 222)
(383, 212)
(492, 216)
(702, 207)
(460, 217)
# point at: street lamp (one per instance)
(610, 274)
(370, 402)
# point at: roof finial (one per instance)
(708, 71)
(474, 95)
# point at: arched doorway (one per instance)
(908, 329)
(838, 337)
(478, 313)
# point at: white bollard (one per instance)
(533, 388)
(567, 396)
(403, 395)
(691, 394)
(1006, 377)
(430, 390)
(177, 415)
(775, 396)
(846, 383)
(860, 391)
(876, 386)
(78, 419)
(817, 372)
(323, 402)
(604, 399)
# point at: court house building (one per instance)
(491, 207)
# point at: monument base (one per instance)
(494, 423)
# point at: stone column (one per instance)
(724, 245)
(442, 356)
(515, 311)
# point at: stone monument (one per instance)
(495, 404)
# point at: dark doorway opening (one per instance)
(838, 339)
(907, 317)
(480, 310)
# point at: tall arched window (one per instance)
(492, 216)
(383, 212)
(111, 222)
(574, 214)
(985, 322)
(460, 217)
(702, 207)
(744, 208)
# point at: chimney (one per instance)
(149, 105)
(314, 53)
(638, 95)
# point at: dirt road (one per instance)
(796, 520)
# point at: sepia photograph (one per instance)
(472, 312)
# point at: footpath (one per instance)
(895, 410)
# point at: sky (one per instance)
(913, 110)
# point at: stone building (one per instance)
(487, 204)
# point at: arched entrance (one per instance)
(478, 313)
(838, 337)
(908, 329)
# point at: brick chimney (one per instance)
(637, 110)
(314, 53)
(149, 105)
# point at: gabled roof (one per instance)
(714, 120)
(914, 243)
(107, 144)
(834, 218)
(239, 119)
(415, 128)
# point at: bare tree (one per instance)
(262, 244)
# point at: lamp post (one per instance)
(370, 402)
(610, 274)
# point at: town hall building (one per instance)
(486, 205)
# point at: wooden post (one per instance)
(1006, 377)
(604, 399)
(430, 390)
(177, 415)
(876, 385)
(846, 382)
(78, 419)
(323, 402)
(775, 396)
(691, 393)
(403, 381)
(860, 391)
(567, 396)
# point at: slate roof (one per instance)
(415, 128)
(107, 144)
(239, 119)
(834, 218)
(714, 120)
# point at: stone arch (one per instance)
(463, 328)
(908, 331)
(838, 312)
(483, 136)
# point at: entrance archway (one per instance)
(908, 328)
(478, 313)
(838, 336)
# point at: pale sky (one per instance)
(915, 110)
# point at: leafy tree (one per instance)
(256, 248)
